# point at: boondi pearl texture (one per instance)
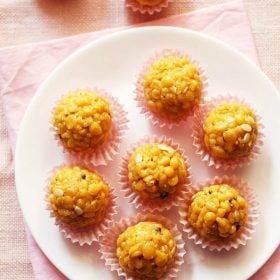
(146, 250)
(78, 197)
(149, 2)
(156, 170)
(218, 212)
(82, 121)
(230, 131)
(172, 86)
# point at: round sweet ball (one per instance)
(230, 131)
(156, 171)
(146, 250)
(78, 197)
(172, 86)
(82, 121)
(218, 212)
(149, 2)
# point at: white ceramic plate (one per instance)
(112, 63)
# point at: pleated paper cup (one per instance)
(89, 234)
(155, 118)
(105, 153)
(135, 6)
(108, 244)
(153, 204)
(245, 232)
(200, 115)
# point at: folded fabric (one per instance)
(23, 68)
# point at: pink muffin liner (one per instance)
(108, 244)
(90, 234)
(152, 205)
(145, 9)
(247, 230)
(110, 148)
(155, 118)
(198, 135)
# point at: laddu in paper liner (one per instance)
(247, 230)
(145, 9)
(155, 118)
(152, 204)
(108, 244)
(198, 135)
(90, 234)
(105, 153)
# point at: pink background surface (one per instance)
(28, 22)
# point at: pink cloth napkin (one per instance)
(23, 68)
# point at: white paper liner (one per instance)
(108, 244)
(145, 9)
(110, 148)
(247, 230)
(89, 234)
(200, 114)
(155, 118)
(152, 205)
